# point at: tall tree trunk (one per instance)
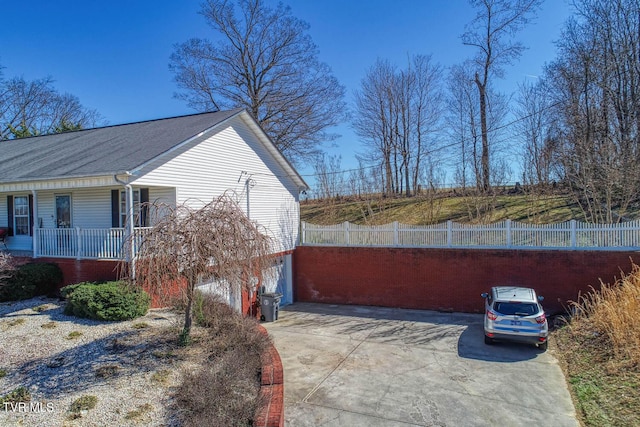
(486, 171)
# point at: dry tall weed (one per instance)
(613, 312)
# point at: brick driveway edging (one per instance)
(271, 413)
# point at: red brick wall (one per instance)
(447, 279)
(85, 270)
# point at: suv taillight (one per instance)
(491, 315)
(541, 319)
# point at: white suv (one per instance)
(515, 314)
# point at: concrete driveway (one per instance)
(370, 366)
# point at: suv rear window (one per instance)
(516, 308)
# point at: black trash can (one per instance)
(269, 306)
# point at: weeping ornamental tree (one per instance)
(187, 246)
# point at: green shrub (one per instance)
(29, 280)
(84, 403)
(20, 394)
(105, 301)
(67, 290)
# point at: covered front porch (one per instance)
(78, 219)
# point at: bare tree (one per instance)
(329, 176)
(266, 62)
(596, 82)
(363, 181)
(465, 130)
(535, 128)
(29, 108)
(398, 112)
(463, 125)
(427, 104)
(373, 121)
(491, 33)
(433, 179)
(188, 246)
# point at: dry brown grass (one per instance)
(600, 354)
(15, 322)
(612, 313)
(139, 413)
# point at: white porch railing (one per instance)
(505, 234)
(82, 243)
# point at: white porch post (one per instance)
(36, 225)
(130, 230)
(129, 226)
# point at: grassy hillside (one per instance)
(424, 210)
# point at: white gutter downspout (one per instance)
(36, 225)
(129, 229)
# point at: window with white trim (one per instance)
(21, 215)
(136, 208)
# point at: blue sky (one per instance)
(114, 55)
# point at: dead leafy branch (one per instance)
(187, 246)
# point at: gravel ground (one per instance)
(131, 367)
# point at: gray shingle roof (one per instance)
(100, 151)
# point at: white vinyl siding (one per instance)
(3, 210)
(160, 195)
(208, 169)
(90, 207)
(46, 209)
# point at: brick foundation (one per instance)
(447, 279)
(84, 270)
(271, 413)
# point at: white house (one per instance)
(78, 194)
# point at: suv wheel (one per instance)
(488, 340)
(543, 346)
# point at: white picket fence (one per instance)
(505, 234)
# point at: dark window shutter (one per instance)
(10, 215)
(144, 211)
(31, 214)
(115, 208)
